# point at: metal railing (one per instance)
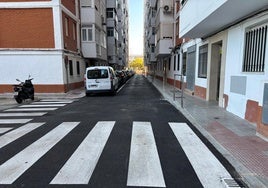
(181, 88)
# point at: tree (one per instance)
(137, 64)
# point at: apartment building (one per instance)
(231, 57)
(149, 34)
(220, 49)
(117, 33)
(55, 40)
(41, 39)
(123, 23)
(112, 32)
(161, 40)
(93, 32)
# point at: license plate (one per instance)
(93, 85)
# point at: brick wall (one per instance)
(26, 28)
(70, 5)
(70, 37)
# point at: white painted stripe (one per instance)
(144, 163)
(14, 121)
(4, 129)
(79, 168)
(207, 167)
(17, 165)
(29, 109)
(17, 133)
(22, 114)
(52, 102)
(56, 100)
(41, 105)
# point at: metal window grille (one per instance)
(255, 47)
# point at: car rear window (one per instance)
(97, 73)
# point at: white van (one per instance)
(100, 79)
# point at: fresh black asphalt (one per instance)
(138, 100)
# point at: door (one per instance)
(190, 67)
(215, 71)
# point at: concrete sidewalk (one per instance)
(233, 137)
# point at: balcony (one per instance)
(200, 20)
(112, 4)
(163, 47)
(90, 16)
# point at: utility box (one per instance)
(265, 105)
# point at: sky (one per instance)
(135, 27)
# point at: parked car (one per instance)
(122, 77)
(100, 79)
(129, 73)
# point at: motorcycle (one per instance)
(25, 90)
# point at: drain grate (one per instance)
(230, 182)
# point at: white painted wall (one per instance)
(44, 68)
(234, 63)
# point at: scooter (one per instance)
(25, 90)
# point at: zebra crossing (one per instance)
(144, 165)
(144, 156)
(39, 108)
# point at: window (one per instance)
(255, 47)
(202, 62)
(66, 27)
(78, 67)
(71, 67)
(152, 48)
(97, 74)
(110, 13)
(87, 34)
(74, 31)
(110, 31)
(84, 35)
(90, 33)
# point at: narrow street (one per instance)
(133, 139)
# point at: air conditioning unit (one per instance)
(167, 9)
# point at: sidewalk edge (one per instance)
(239, 168)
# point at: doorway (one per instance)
(190, 68)
(215, 72)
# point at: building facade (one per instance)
(221, 51)
(123, 23)
(54, 41)
(149, 34)
(93, 32)
(159, 36)
(41, 39)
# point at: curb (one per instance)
(239, 171)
